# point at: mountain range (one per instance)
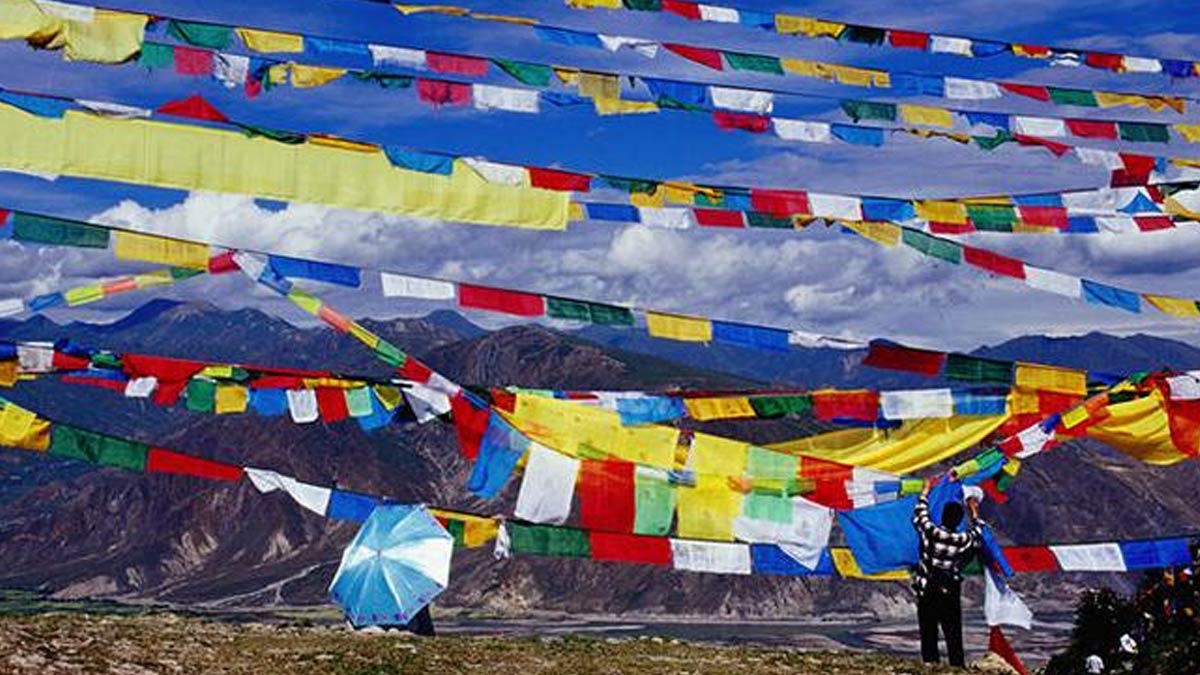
(74, 531)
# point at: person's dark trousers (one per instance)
(422, 623)
(941, 606)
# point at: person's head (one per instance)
(952, 516)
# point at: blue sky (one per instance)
(815, 280)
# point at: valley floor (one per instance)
(159, 642)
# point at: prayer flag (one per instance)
(629, 548)
(500, 300)
(678, 327)
(606, 496)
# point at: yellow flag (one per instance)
(307, 77)
(707, 510)
(505, 18)
(599, 85)
(84, 294)
(1022, 401)
(433, 9)
(719, 457)
(576, 212)
(231, 398)
(271, 42)
(154, 279)
(858, 77)
(8, 373)
(806, 68)
(678, 327)
(1174, 306)
(149, 152)
(887, 234)
(1108, 99)
(1190, 132)
(651, 199)
(942, 212)
(343, 143)
(1075, 416)
(108, 37)
(363, 335)
(218, 372)
(594, 4)
(723, 408)
(847, 566)
(802, 25)
(20, 428)
(616, 106)
(1141, 429)
(928, 115)
(479, 531)
(1051, 378)
(152, 248)
(389, 397)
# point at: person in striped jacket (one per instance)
(937, 579)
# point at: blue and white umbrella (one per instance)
(398, 562)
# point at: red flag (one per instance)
(719, 218)
(631, 548)
(415, 370)
(1059, 149)
(565, 181)
(456, 65)
(705, 57)
(1033, 91)
(194, 107)
(688, 10)
(780, 202)
(897, 357)
(745, 121)
(855, 405)
(469, 422)
(994, 262)
(190, 61)
(998, 645)
(62, 361)
(440, 92)
(1105, 61)
(160, 460)
(222, 264)
(951, 228)
(606, 496)
(1044, 216)
(1031, 558)
(1093, 129)
(331, 401)
(1151, 223)
(500, 300)
(906, 39)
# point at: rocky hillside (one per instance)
(78, 532)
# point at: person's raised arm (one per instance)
(921, 520)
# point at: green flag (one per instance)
(46, 230)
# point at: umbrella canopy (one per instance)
(398, 562)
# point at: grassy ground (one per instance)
(155, 642)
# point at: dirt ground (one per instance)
(161, 643)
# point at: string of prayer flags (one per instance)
(707, 556)
(1112, 210)
(900, 39)
(216, 37)
(1092, 292)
